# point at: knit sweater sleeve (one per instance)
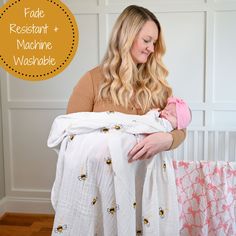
(82, 97)
(178, 137)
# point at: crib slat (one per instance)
(234, 157)
(185, 151)
(226, 146)
(195, 148)
(205, 146)
(216, 149)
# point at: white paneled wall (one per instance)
(201, 54)
(2, 191)
(2, 173)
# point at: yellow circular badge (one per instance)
(38, 38)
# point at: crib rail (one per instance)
(208, 145)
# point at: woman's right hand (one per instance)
(150, 146)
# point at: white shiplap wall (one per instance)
(201, 56)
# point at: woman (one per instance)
(131, 79)
(96, 191)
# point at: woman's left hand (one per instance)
(150, 146)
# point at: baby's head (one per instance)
(177, 113)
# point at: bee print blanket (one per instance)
(97, 192)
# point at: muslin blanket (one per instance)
(97, 192)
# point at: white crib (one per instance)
(208, 145)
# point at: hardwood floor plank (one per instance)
(15, 224)
(6, 230)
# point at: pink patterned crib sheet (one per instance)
(206, 197)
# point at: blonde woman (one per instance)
(131, 78)
(100, 188)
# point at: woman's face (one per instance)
(144, 42)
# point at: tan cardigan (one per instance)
(85, 98)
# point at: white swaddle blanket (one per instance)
(96, 191)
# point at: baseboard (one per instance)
(26, 205)
(2, 207)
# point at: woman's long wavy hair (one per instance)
(127, 84)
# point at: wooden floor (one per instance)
(15, 224)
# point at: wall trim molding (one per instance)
(26, 205)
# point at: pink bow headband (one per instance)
(183, 112)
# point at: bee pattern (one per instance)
(161, 213)
(94, 201)
(82, 177)
(164, 166)
(60, 228)
(108, 161)
(104, 130)
(113, 210)
(117, 127)
(71, 137)
(134, 205)
(146, 222)
(139, 232)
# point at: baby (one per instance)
(175, 115)
(176, 112)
